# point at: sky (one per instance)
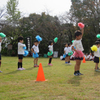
(52, 7)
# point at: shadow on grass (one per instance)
(13, 72)
(29, 68)
(96, 73)
(67, 64)
(47, 66)
(75, 81)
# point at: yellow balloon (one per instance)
(94, 48)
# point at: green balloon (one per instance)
(71, 53)
(98, 36)
(73, 41)
(2, 35)
(50, 53)
(55, 40)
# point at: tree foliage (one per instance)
(12, 11)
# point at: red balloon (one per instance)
(81, 25)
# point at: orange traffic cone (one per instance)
(40, 75)
(84, 60)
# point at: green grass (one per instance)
(61, 84)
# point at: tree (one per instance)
(13, 12)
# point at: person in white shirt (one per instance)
(89, 56)
(78, 54)
(35, 51)
(66, 53)
(20, 52)
(50, 49)
(92, 57)
(0, 53)
(97, 55)
(86, 57)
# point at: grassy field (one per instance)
(61, 84)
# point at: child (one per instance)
(0, 52)
(35, 49)
(69, 50)
(78, 51)
(20, 52)
(66, 53)
(92, 57)
(97, 55)
(50, 47)
(86, 57)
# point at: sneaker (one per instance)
(23, 68)
(50, 64)
(0, 71)
(76, 74)
(69, 63)
(97, 70)
(35, 65)
(80, 74)
(19, 68)
(66, 62)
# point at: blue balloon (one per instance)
(24, 48)
(35, 55)
(38, 38)
(64, 55)
(26, 53)
(74, 47)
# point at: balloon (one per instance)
(35, 55)
(94, 48)
(81, 25)
(55, 39)
(50, 53)
(70, 53)
(26, 53)
(38, 38)
(24, 48)
(73, 41)
(74, 47)
(2, 35)
(64, 55)
(98, 36)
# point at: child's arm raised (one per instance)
(39, 42)
(82, 31)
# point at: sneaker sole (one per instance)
(97, 70)
(76, 75)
